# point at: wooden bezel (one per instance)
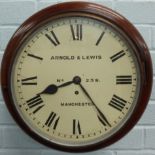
(94, 11)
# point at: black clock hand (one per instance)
(101, 116)
(52, 89)
(65, 84)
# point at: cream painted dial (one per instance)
(75, 81)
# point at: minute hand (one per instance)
(101, 115)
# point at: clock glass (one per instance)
(75, 80)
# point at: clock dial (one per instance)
(75, 81)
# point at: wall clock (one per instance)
(76, 76)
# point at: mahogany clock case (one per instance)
(84, 9)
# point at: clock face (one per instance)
(75, 80)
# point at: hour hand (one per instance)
(65, 84)
(52, 89)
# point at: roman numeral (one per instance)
(117, 102)
(100, 38)
(124, 79)
(29, 81)
(54, 40)
(34, 56)
(38, 108)
(35, 102)
(52, 120)
(76, 127)
(76, 31)
(117, 56)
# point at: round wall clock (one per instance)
(76, 76)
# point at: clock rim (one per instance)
(92, 10)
